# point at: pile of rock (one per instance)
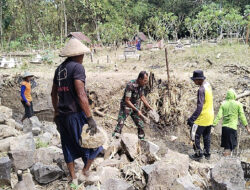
(128, 163)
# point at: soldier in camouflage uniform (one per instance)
(130, 104)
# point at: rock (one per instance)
(32, 125)
(48, 155)
(50, 128)
(22, 151)
(129, 144)
(113, 148)
(45, 174)
(5, 169)
(45, 137)
(7, 131)
(200, 173)
(93, 187)
(173, 166)
(173, 138)
(150, 150)
(107, 173)
(95, 141)
(36, 131)
(6, 113)
(154, 116)
(14, 124)
(110, 162)
(5, 144)
(228, 174)
(26, 184)
(184, 183)
(133, 171)
(62, 164)
(115, 184)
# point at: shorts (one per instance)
(228, 138)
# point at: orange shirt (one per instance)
(27, 92)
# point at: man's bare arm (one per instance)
(83, 99)
(130, 105)
(144, 100)
(84, 104)
(54, 98)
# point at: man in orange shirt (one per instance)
(26, 98)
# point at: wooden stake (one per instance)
(166, 56)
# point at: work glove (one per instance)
(190, 123)
(92, 126)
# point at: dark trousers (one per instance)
(205, 132)
(28, 109)
(123, 114)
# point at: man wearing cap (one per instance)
(72, 110)
(202, 119)
(26, 98)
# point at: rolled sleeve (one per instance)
(128, 93)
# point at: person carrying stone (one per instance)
(202, 119)
(130, 105)
(72, 110)
(230, 110)
(26, 98)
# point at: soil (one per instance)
(106, 82)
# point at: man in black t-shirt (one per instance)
(72, 108)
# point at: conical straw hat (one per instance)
(74, 48)
(27, 74)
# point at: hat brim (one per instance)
(27, 76)
(198, 78)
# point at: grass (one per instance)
(40, 144)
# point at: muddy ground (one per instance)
(225, 66)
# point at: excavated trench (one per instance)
(171, 100)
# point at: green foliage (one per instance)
(45, 24)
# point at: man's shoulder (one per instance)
(131, 84)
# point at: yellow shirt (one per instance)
(206, 116)
(27, 92)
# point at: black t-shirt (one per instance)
(64, 78)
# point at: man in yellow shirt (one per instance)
(202, 119)
(26, 98)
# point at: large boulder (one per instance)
(5, 144)
(228, 174)
(149, 150)
(22, 151)
(7, 131)
(45, 174)
(117, 184)
(14, 124)
(48, 155)
(5, 169)
(130, 144)
(173, 166)
(26, 184)
(6, 113)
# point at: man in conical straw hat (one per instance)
(72, 110)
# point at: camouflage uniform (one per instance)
(134, 92)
